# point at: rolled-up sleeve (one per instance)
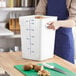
(72, 10)
(41, 7)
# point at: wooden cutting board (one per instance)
(52, 72)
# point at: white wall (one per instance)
(8, 43)
(4, 16)
(74, 34)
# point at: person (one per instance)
(65, 10)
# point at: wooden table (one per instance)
(9, 59)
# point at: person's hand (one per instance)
(53, 25)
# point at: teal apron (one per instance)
(64, 45)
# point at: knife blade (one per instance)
(53, 68)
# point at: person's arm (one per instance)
(72, 10)
(61, 23)
(41, 8)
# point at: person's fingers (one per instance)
(50, 23)
(51, 27)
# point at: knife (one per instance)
(57, 69)
(53, 68)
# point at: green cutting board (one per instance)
(52, 72)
